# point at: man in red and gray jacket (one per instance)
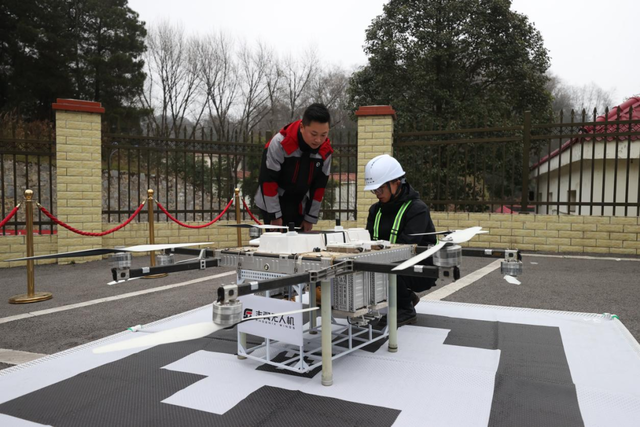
(295, 169)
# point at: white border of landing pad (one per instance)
(429, 381)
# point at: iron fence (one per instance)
(195, 177)
(27, 162)
(577, 165)
(587, 165)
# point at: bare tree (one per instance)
(298, 73)
(254, 67)
(330, 89)
(561, 94)
(219, 74)
(567, 97)
(275, 91)
(592, 96)
(172, 83)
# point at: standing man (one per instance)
(295, 169)
(398, 214)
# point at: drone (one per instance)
(278, 239)
(283, 257)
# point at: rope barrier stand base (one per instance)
(26, 298)
(155, 276)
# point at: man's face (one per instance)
(314, 134)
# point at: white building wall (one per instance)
(583, 189)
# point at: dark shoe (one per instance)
(406, 317)
(415, 299)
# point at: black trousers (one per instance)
(407, 285)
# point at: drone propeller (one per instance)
(184, 333)
(103, 251)
(431, 233)
(456, 237)
(462, 236)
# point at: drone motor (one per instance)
(511, 266)
(165, 259)
(227, 313)
(449, 256)
(121, 260)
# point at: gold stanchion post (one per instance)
(243, 336)
(238, 219)
(31, 295)
(152, 239)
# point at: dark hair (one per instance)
(316, 113)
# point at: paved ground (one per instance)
(76, 283)
(595, 285)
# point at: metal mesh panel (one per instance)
(257, 275)
(349, 292)
(378, 288)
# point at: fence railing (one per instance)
(27, 162)
(195, 177)
(471, 170)
(578, 165)
(587, 165)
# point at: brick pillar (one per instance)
(375, 137)
(79, 174)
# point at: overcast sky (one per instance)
(588, 40)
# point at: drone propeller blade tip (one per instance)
(183, 333)
(512, 280)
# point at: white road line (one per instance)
(14, 357)
(113, 298)
(461, 283)
(580, 257)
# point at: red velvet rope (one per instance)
(249, 212)
(193, 226)
(11, 214)
(87, 233)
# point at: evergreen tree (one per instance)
(452, 64)
(35, 48)
(110, 46)
(453, 60)
(84, 49)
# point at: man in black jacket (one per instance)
(295, 169)
(399, 213)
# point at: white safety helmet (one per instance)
(381, 169)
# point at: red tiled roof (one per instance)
(630, 105)
(515, 211)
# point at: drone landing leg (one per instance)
(327, 367)
(312, 303)
(392, 314)
(243, 342)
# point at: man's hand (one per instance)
(276, 221)
(306, 226)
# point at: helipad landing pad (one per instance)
(461, 365)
